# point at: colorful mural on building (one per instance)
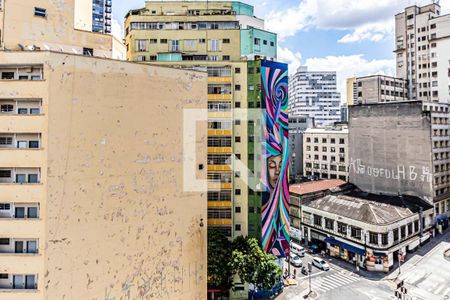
(275, 159)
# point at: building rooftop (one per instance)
(370, 208)
(331, 129)
(315, 186)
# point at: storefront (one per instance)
(378, 261)
(345, 251)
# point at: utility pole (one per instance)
(309, 274)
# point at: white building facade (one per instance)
(315, 94)
(326, 154)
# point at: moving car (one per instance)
(295, 260)
(320, 263)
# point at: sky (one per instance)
(353, 38)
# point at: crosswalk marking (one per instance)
(333, 281)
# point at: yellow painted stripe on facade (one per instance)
(218, 186)
(220, 132)
(219, 168)
(220, 150)
(220, 97)
(220, 222)
(219, 204)
(220, 79)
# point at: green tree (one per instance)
(219, 261)
(253, 265)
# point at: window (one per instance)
(257, 41)
(214, 58)
(174, 46)
(333, 141)
(7, 108)
(237, 139)
(317, 220)
(329, 224)
(33, 144)
(163, 41)
(5, 174)
(356, 232)
(341, 141)
(237, 70)
(237, 87)
(264, 42)
(4, 276)
(272, 44)
(237, 122)
(324, 140)
(373, 238)
(153, 41)
(40, 12)
(342, 228)
(5, 140)
(395, 231)
(237, 227)
(384, 239)
(5, 206)
(32, 212)
(22, 111)
(226, 41)
(21, 178)
(214, 45)
(32, 178)
(22, 144)
(237, 192)
(202, 41)
(226, 57)
(35, 111)
(4, 241)
(237, 104)
(88, 51)
(8, 75)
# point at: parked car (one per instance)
(297, 249)
(295, 260)
(260, 294)
(320, 263)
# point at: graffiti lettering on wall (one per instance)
(275, 159)
(399, 172)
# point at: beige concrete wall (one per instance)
(115, 221)
(83, 15)
(54, 32)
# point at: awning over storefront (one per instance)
(334, 242)
(379, 254)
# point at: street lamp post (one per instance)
(309, 273)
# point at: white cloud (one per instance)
(349, 66)
(371, 20)
(292, 58)
(116, 29)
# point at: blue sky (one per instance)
(349, 37)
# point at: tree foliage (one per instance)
(243, 257)
(253, 265)
(219, 257)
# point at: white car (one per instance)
(295, 260)
(320, 263)
(297, 249)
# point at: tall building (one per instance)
(315, 94)
(377, 89)
(91, 169)
(423, 52)
(406, 152)
(228, 41)
(297, 127)
(326, 152)
(101, 16)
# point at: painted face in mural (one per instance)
(274, 167)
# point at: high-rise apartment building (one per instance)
(376, 89)
(326, 152)
(315, 94)
(297, 127)
(225, 39)
(91, 170)
(423, 52)
(101, 16)
(406, 152)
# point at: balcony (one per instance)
(18, 246)
(17, 282)
(23, 176)
(219, 79)
(218, 97)
(219, 204)
(218, 150)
